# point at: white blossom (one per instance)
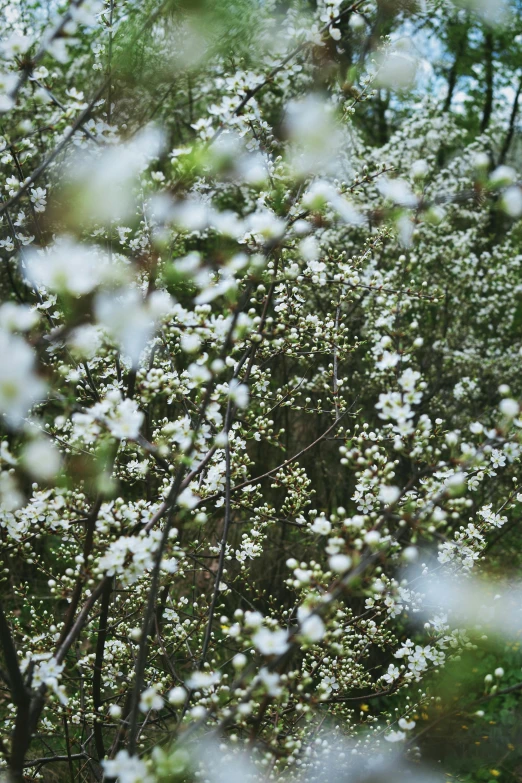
(20, 387)
(150, 699)
(270, 642)
(321, 525)
(126, 768)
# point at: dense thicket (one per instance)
(260, 372)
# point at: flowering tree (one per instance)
(260, 351)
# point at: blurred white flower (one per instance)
(321, 526)
(130, 319)
(395, 736)
(15, 45)
(389, 495)
(86, 340)
(191, 214)
(150, 699)
(308, 123)
(86, 13)
(271, 642)
(470, 602)
(396, 70)
(127, 769)
(20, 387)
(511, 202)
(492, 11)
(357, 23)
(8, 82)
(17, 317)
(10, 498)
(502, 176)
(253, 619)
(340, 563)
(198, 374)
(115, 711)
(177, 695)
(265, 225)
(398, 191)
(57, 48)
(419, 169)
(509, 408)
(104, 180)
(42, 459)
(311, 626)
(190, 343)
(238, 393)
(66, 267)
(203, 680)
(187, 499)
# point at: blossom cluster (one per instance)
(256, 361)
